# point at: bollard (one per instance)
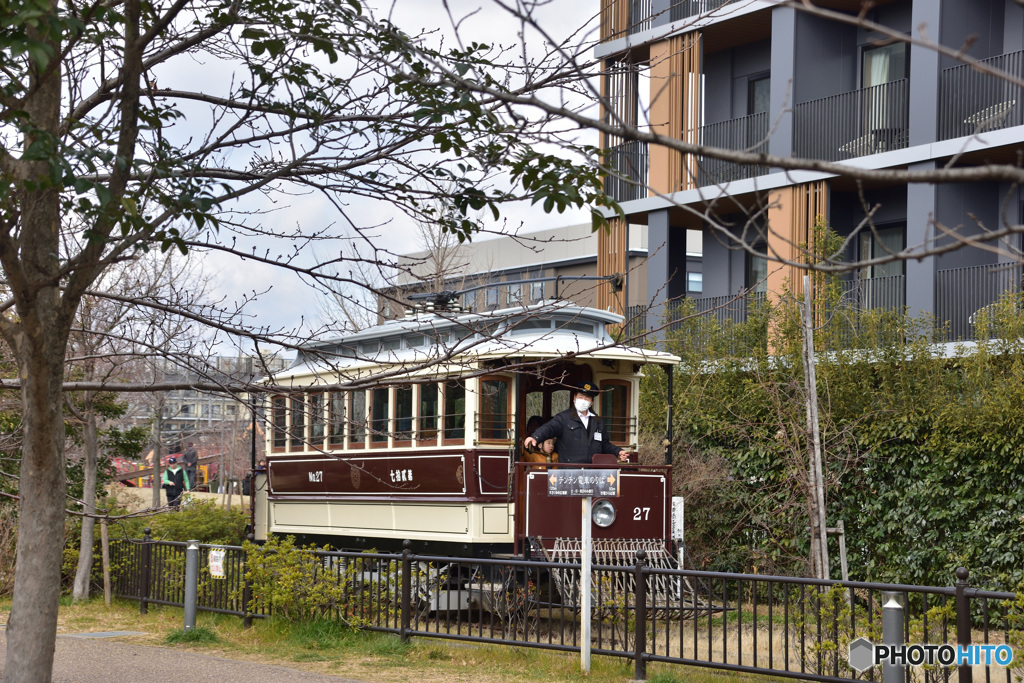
(640, 628)
(406, 589)
(191, 583)
(147, 559)
(892, 634)
(246, 590)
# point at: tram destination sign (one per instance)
(583, 483)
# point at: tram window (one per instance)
(316, 419)
(357, 434)
(576, 327)
(391, 345)
(403, 414)
(615, 411)
(532, 324)
(379, 416)
(336, 420)
(414, 341)
(298, 431)
(280, 417)
(454, 410)
(428, 413)
(559, 401)
(494, 409)
(535, 404)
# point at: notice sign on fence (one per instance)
(217, 563)
(583, 483)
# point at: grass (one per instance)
(327, 647)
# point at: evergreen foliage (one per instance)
(923, 442)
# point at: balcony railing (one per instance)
(889, 293)
(628, 181)
(682, 9)
(744, 134)
(624, 17)
(973, 102)
(962, 293)
(853, 124)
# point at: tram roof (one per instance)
(545, 330)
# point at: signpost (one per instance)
(585, 484)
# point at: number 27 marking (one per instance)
(641, 514)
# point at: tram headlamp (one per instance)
(603, 513)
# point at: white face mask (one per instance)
(583, 405)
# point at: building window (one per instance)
(216, 409)
(491, 296)
(757, 270)
(185, 409)
(880, 243)
(758, 91)
(695, 283)
(469, 301)
(232, 409)
(884, 64)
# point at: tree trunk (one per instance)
(816, 482)
(157, 427)
(85, 549)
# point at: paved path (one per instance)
(82, 659)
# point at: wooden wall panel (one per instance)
(791, 215)
(611, 259)
(675, 109)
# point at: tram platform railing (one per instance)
(793, 627)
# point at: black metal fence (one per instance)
(795, 627)
(853, 124)
(973, 101)
(962, 294)
(628, 181)
(745, 134)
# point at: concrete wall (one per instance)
(955, 206)
(726, 77)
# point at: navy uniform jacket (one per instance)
(576, 443)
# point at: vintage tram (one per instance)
(424, 442)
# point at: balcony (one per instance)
(628, 180)
(853, 124)
(681, 9)
(745, 134)
(973, 102)
(961, 293)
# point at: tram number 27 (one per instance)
(641, 514)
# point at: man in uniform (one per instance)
(580, 432)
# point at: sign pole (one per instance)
(585, 596)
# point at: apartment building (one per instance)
(760, 75)
(487, 272)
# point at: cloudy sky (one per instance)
(282, 299)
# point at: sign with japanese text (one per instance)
(583, 483)
(217, 563)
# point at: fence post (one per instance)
(640, 627)
(963, 623)
(147, 558)
(892, 634)
(406, 589)
(191, 582)
(246, 588)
